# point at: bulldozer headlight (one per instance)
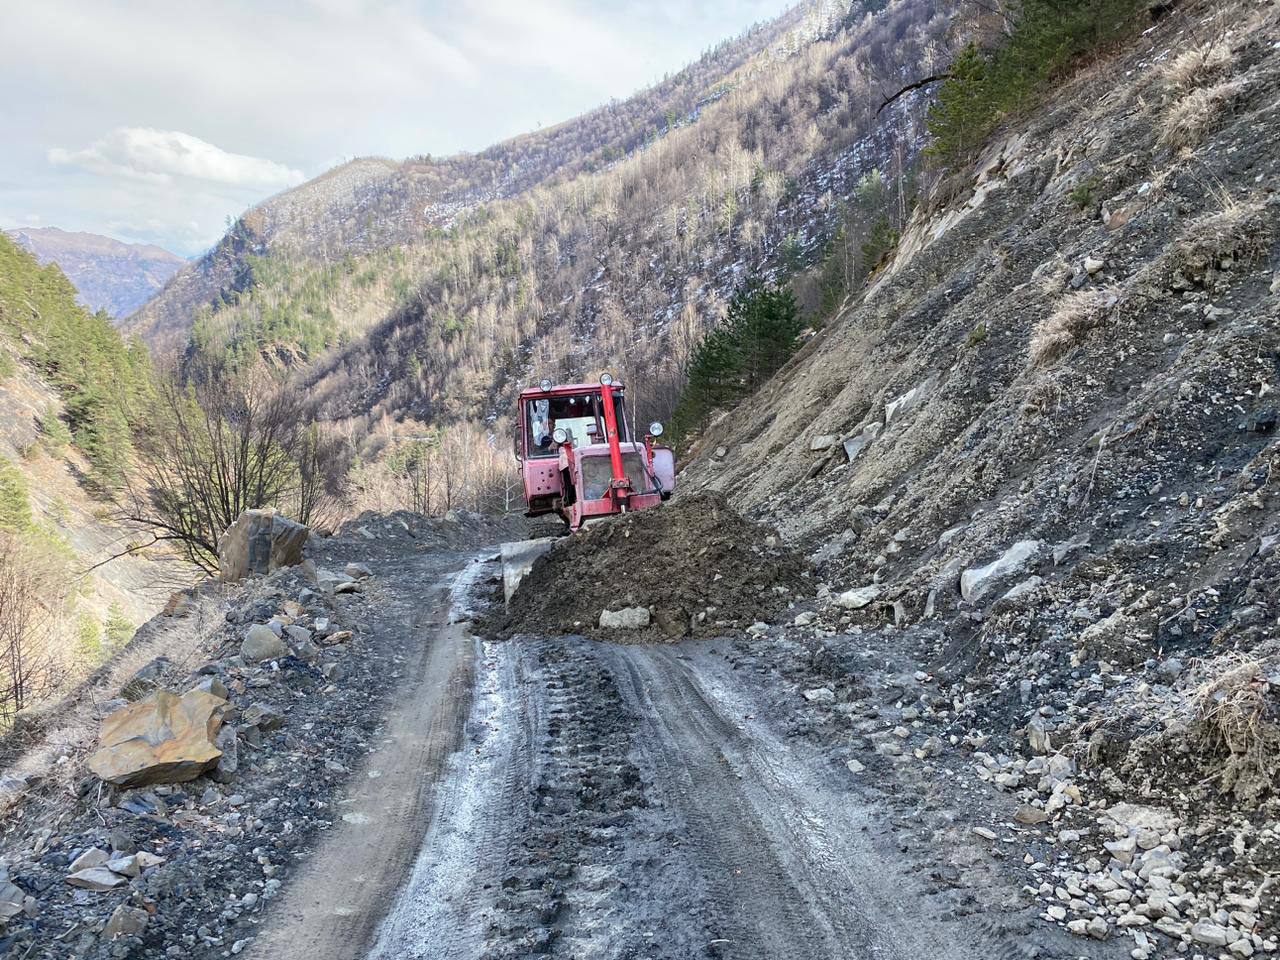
(546, 384)
(560, 435)
(606, 380)
(655, 429)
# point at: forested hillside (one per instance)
(71, 390)
(416, 297)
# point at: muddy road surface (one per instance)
(561, 797)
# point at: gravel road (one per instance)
(603, 801)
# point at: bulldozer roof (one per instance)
(566, 389)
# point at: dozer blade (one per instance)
(517, 560)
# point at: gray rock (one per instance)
(257, 543)
(1170, 669)
(820, 695)
(298, 634)
(358, 570)
(1210, 934)
(229, 763)
(214, 686)
(93, 857)
(977, 581)
(12, 899)
(126, 921)
(861, 440)
(908, 402)
(628, 618)
(264, 717)
(824, 441)
(859, 597)
(97, 879)
(261, 643)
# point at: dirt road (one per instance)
(602, 801)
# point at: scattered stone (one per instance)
(859, 597)
(820, 695)
(264, 717)
(628, 618)
(97, 879)
(126, 921)
(976, 581)
(358, 570)
(1030, 815)
(854, 766)
(822, 442)
(908, 402)
(861, 440)
(261, 643)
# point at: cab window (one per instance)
(580, 415)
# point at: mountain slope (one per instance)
(108, 274)
(374, 204)
(613, 240)
(1037, 463)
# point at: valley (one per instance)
(959, 637)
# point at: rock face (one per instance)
(162, 739)
(258, 542)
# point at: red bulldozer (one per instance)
(578, 456)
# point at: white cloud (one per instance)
(162, 155)
(211, 107)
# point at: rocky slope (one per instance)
(299, 667)
(1036, 463)
(108, 274)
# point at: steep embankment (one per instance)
(108, 274)
(1070, 368)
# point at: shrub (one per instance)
(1046, 40)
(15, 508)
(1189, 116)
(1196, 67)
(54, 431)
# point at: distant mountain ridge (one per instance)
(108, 274)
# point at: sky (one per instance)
(156, 120)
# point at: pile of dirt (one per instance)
(696, 566)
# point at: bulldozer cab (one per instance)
(580, 416)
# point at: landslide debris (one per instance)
(695, 567)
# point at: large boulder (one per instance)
(258, 542)
(162, 739)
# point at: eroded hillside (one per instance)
(1038, 458)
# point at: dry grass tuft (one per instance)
(1075, 315)
(1195, 68)
(1234, 716)
(1189, 117)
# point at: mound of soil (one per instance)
(696, 565)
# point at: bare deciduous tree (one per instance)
(218, 447)
(31, 667)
